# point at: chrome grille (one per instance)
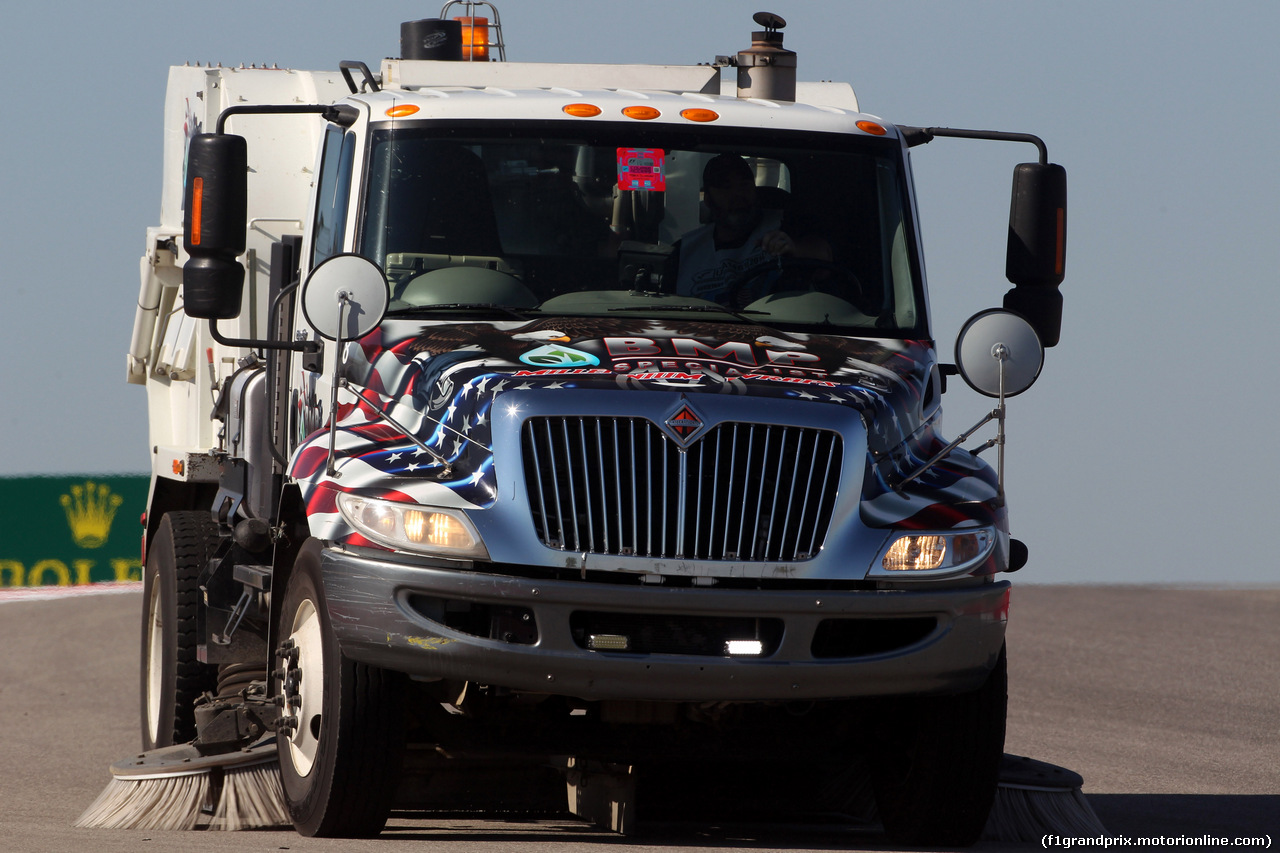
(621, 486)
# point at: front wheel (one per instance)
(342, 732)
(172, 676)
(936, 763)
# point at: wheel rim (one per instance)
(304, 694)
(155, 662)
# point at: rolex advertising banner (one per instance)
(70, 531)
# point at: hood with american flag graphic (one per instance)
(414, 419)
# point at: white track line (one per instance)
(44, 593)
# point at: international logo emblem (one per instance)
(684, 424)
(556, 356)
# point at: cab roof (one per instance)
(445, 101)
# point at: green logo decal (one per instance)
(555, 356)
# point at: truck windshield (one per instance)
(793, 230)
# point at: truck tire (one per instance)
(172, 678)
(936, 763)
(342, 741)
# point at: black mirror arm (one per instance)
(340, 114)
(291, 346)
(921, 135)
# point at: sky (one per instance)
(1146, 453)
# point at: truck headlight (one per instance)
(935, 552)
(408, 527)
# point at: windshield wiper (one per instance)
(415, 310)
(719, 309)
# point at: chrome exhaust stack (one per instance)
(767, 70)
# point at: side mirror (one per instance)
(1037, 225)
(215, 205)
(345, 297)
(998, 353)
(1036, 258)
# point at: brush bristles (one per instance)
(251, 798)
(159, 803)
(1019, 814)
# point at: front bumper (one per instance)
(373, 608)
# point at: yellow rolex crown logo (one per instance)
(90, 509)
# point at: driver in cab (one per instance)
(741, 235)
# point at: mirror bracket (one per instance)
(998, 354)
(306, 346)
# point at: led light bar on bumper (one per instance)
(409, 527)
(935, 553)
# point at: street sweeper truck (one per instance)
(513, 415)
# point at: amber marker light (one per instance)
(697, 114)
(197, 208)
(402, 110)
(872, 128)
(642, 113)
(582, 110)
(1060, 254)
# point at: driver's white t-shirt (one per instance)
(705, 271)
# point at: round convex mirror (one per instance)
(357, 278)
(995, 337)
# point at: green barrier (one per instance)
(64, 531)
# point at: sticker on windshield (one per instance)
(554, 356)
(642, 169)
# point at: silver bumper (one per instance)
(374, 612)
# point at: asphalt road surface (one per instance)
(1166, 701)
